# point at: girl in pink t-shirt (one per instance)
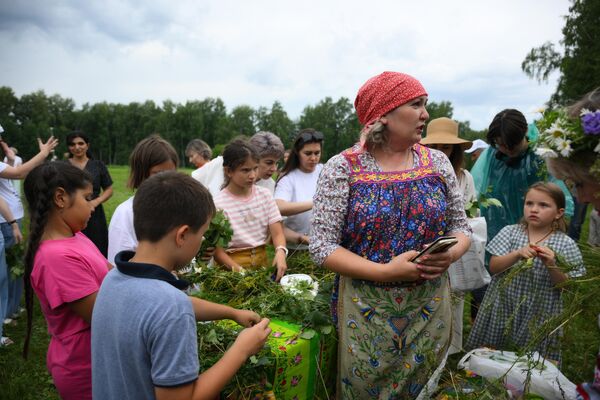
(65, 269)
(251, 211)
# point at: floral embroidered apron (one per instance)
(392, 336)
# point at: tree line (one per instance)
(114, 129)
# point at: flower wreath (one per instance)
(561, 136)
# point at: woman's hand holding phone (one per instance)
(435, 258)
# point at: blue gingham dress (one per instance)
(511, 314)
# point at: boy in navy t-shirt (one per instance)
(144, 343)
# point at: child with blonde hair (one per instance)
(513, 310)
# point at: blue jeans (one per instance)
(3, 284)
(15, 286)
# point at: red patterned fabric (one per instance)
(384, 92)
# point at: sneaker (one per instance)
(5, 341)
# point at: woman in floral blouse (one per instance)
(377, 204)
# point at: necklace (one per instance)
(543, 237)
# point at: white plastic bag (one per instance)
(545, 379)
(469, 272)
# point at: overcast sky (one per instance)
(256, 52)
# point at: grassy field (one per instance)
(29, 379)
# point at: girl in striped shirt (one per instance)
(252, 213)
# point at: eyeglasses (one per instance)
(310, 137)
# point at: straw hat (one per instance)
(444, 131)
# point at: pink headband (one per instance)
(384, 92)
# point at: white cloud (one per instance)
(468, 52)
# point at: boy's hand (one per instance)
(251, 340)
(246, 318)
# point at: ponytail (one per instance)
(39, 187)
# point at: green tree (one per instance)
(336, 120)
(276, 120)
(241, 120)
(8, 119)
(579, 62)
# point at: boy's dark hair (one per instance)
(149, 152)
(236, 153)
(508, 127)
(39, 187)
(168, 200)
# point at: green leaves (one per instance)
(472, 207)
(219, 233)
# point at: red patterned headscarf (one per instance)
(384, 92)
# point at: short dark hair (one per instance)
(509, 126)
(168, 200)
(149, 152)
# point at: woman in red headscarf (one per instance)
(376, 204)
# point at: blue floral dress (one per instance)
(392, 336)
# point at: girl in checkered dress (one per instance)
(517, 304)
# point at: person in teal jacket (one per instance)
(505, 171)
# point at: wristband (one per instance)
(14, 221)
(285, 250)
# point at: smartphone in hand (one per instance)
(439, 245)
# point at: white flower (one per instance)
(545, 152)
(584, 111)
(540, 110)
(597, 148)
(554, 134)
(564, 147)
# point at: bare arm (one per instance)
(279, 261)
(84, 307)
(8, 217)
(295, 237)
(549, 260)
(503, 262)
(208, 311)
(5, 210)
(287, 208)
(21, 171)
(222, 258)
(210, 383)
(346, 263)
(434, 265)
(104, 196)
